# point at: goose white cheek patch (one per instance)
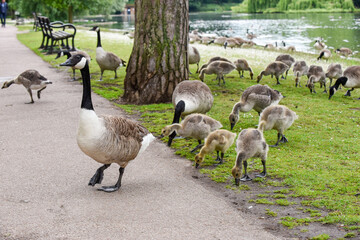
(81, 64)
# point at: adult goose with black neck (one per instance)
(106, 139)
(350, 79)
(106, 60)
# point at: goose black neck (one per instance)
(179, 108)
(98, 39)
(342, 81)
(86, 102)
(68, 55)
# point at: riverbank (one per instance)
(311, 179)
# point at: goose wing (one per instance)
(33, 75)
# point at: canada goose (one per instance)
(319, 45)
(250, 143)
(276, 68)
(250, 35)
(346, 52)
(213, 60)
(255, 97)
(194, 56)
(220, 41)
(106, 139)
(231, 42)
(325, 54)
(220, 68)
(31, 80)
(106, 60)
(287, 48)
(277, 117)
(206, 40)
(69, 54)
(316, 74)
(190, 97)
(219, 140)
(300, 69)
(334, 70)
(350, 79)
(242, 65)
(287, 59)
(195, 125)
(248, 44)
(241, 41)
(270, 46)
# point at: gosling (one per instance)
(196, 125)
(277, 117)
(316, 74)
(250, 143)
(242, 65)
(276, 68)
(220, 68)
(300, 69)
(219, 141)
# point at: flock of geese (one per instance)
(115, 139)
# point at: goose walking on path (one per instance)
(31, 80)
(106, 60)
(106, 139)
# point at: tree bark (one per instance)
(70, 13)
(159, 60)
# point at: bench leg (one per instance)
(73, 44)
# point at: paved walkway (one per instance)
(44, 175)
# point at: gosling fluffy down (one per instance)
(277, 117)
(219, 141)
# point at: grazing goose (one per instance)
(287, 59)
(219, 41)
(350, 79)
(325, 54)
(319, 45)
(195, 125)
(231, 43)
(256, 97)
(334, 70)
(220, 68)
(241, 41)
(242, 65)
(194, 56)
(270, 46)
(106, 60)
(276, 68)
(277, 117)
(300, 69)
(31, 80)
(219, 140)
(346, 52)
(249, 144)
(106, 139)
(213, 60)
(316, 74)
(190, 97)
(287, 48)
(69, 54)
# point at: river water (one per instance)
(297, 29)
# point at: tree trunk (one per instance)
(159, 60)
(70, 13)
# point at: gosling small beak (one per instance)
(196, 165)
(232, 125)
(237, 181)
(162, 135)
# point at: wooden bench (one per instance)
(50, 35)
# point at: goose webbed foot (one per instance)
(261, 175)
(325, 91)
(283, 139)
(245, 178)
(109, 188)
(98, 176)
(30, 102)
(348, 93)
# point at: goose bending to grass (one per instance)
(325, 54)
(277, 117)
(106, 60)
(316, 74)
(69, 54)
(219, 140)
(194, 56)
(242, 65)
(300, 69)
(256, 97)
(31, 80)
(196, 125)
(190, 97)
(346, 52)
(249, 144)
(217, 58)
(276, 68)
(287, 59)
(231, 43)
(106, 139)
(350, 79)
(220, 68)
(334, 70)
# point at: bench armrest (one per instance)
(63, 26)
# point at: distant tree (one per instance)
(159, 60)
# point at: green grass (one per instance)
(319, 165)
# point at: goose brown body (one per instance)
(300, 69)
(316, 74)
(241, 66)
(220, 68)
(334, 70)
(276, 68)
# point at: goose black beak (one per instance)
(68, 63)
(237, 181)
